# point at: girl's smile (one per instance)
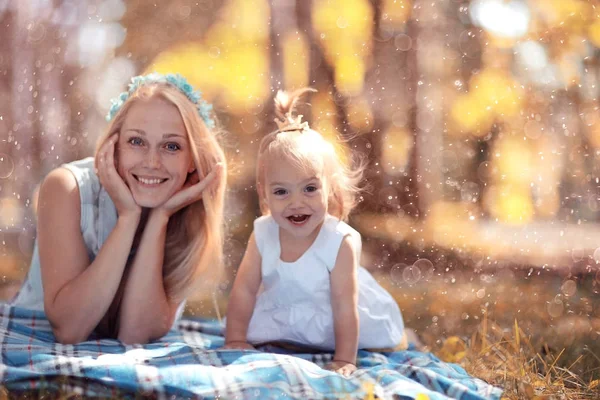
(296, 197)
(298, 219)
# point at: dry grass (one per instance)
(509, 360)
(504, 327)
(513, 336)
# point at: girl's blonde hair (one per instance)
(309, 150)
(194, 239)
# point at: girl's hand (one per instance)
(191, 192)
(112, 181)
(341, 367)
(239, 345)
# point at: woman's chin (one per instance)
(151, 197)
(149, 201)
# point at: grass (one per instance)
(504, 327)
(509, 360)
(533, 333)
(507, 329)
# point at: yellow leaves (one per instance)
(493, 95)
(595, 384)
(396, 12)
(239, 76)
(510, 203)
(360, 114)
(325, 121)
(344, 28)
(453, 350)
(508, 195)
(421, 396)
(566, 14)
(349, 73)
(395, 150)
(369, 388)
(337, 15)
(594, 32)
(296, 53)
(494, 88)
(512, 160)
(470, 116)
(241, 21)
(232, 62)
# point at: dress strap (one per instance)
(266, 234)
(330, 240)
(262, 232)
(82, 170)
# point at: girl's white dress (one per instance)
(294, 303)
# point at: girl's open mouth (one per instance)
(298, 219)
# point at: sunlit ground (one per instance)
(531, 331)
(470, 316)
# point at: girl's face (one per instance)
(297, 198)
(153, 152)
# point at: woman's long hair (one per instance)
(194, 239)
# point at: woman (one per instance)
(124, 237)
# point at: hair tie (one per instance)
(291, 124)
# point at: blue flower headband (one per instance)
(204, 109)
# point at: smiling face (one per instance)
(153, 153)
(296, 197)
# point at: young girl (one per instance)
(313, 294)
(124, 237)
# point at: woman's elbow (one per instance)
(65, 331)
(131, 338)
(68, 336)
(135, 336)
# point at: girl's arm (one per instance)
(243, 297)
(146, 312)
(344, 304)
(77, 294)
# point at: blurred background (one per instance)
(479, 120)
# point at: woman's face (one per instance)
(153, 152)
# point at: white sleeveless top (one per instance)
(294, 304)
(98, 219)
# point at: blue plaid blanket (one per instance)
(187, 363)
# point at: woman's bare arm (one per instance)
(77, 294)
(146, 312)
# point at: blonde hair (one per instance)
(194, 239)
(307, 149)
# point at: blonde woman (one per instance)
(125, 236)
(306, 258)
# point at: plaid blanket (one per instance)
(188, 364)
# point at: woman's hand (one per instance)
(190, 193)
(239, 345)
(112, 181)
(341, 367)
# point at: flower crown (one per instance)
(176, 80)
